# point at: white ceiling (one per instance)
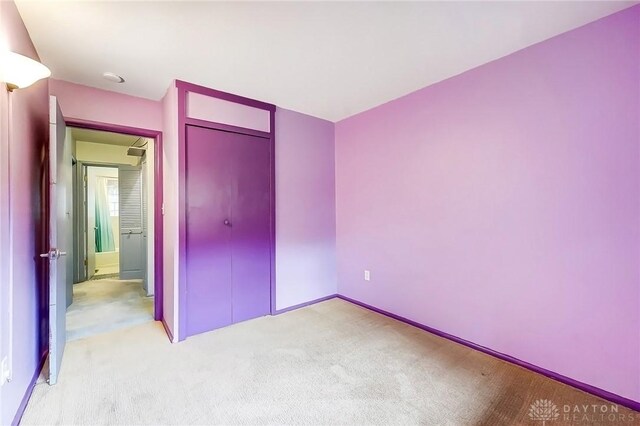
(327, 59)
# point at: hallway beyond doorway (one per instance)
(107, 304)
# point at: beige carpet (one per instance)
(105, 305)
(108, 270)
(331, 363)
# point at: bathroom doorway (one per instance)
(103, 218)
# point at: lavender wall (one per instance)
(208, 108)
(305, 209)
(29, 135)
(502, 205)
(170, 171)
(87, 103)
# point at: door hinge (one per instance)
(162, 209)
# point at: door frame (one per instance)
(183, 88)
(158, 237)
(78, 226)
(85, 211)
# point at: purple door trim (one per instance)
(156, 135)
(272, 128)
(194, 88)
(182, 214)
(225, 127)
(183, 88)
(609, 396)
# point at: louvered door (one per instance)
(132, 247)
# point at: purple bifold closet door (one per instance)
(250, 230)
(228, 228)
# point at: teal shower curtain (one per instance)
(104, 230)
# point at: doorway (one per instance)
(102, 215)
(65, 179)
(113, 256)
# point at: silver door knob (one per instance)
(227, 223)
(54, 254)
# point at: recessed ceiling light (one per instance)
(115, 78)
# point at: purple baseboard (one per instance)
(167, 330)
(612, 397)
(27, 394)
(302, 305)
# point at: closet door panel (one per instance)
(251, 242)
(132, 250)
(209, 183)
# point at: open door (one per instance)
(59, 227)
(132, 244)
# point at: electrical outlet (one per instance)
(367, 275)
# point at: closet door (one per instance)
(251, 237)
(209, 185)
(132, 250)
(228, 245)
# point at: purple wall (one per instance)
(305, 209)
(29, 135)
(502, 205)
